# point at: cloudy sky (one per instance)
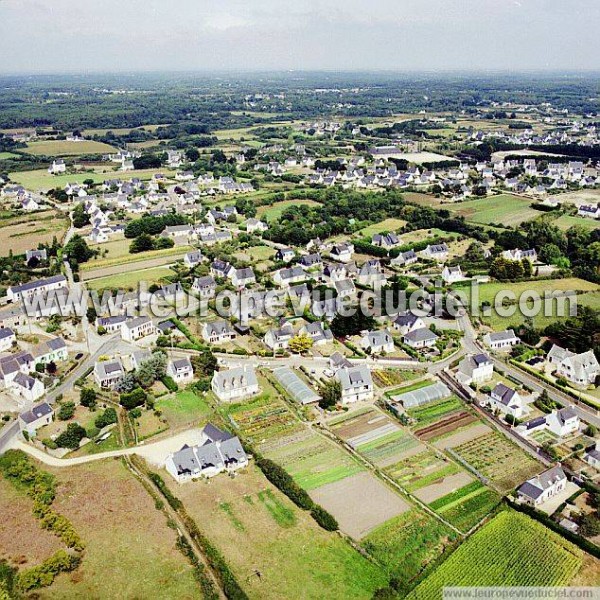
(398, 35)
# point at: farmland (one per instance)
(255, 527)
(125, 536)
(274, 211)
(24, 233)
(504, 209)
(421, 470)
(433, 411)
(128, 281)
(407, 544)
(64, 148)
(496, 458)
(386, 225)
(511, 550)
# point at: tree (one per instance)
(152, 369)
(147, 161)
(91, 314)
(300, 343)
(331, 394)
(77, 250)
(88, 397)
(550, 254)
(66, 411)
(142, 243)
(589, 525)
(126, 384)
(205, 363)
(192, 154)
(345, 326)
(133, 399)
(79, 216)
(71, 437)
(108, 417)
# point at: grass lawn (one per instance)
(565, 221)
(506, 209)
(257, 529)
(64, 148)
(130, 280)
(182, 408)
(406, 544)
(130, 551)
(386, 225)
(7, 155)
(511, 550)
(274, 211)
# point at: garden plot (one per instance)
(376, 437)
(497, 459)
(421, 470)
(463, 436)
(360, 503)
(433, 411)
(448, 425)
(443, 487)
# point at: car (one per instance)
(78, 355)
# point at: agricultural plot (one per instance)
(407, 544)
(274, 211)
(182, 408)
(24, 233)
(429, 413)
(129, 280)
(384, 378)
(257, 529)
(64, 148)
(376, 437)
(390, 224)
(506, 209)
(466, 506)
(511, 550)
(421, 470)
(497, 459)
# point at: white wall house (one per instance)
(235, 384)
(537, 490)
(356, 383)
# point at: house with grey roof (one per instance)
(180, 370)
(241, 277)
(205, 286)
(501, 340)
(38, 416)
(137, 328)
(191, 259)
(108, 372)
(475, 368)
(386, 240)
(407, 321)
(539, 489)
(437, 252)
(317, 333)
(219, 451)
(7, 338)
(377, 341)
(580, 369)
(356, 383)
(111, 324)
(289, 276)
(563, 422)
(592, 455)
(508, 401)
(16, 293)
(235, 384)
(345, 288)
(27, 387)
(218, 332)
(405, 258)
(279, 339)
(420, 338)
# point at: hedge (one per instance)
(44, 574)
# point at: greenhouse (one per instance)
(295, 387)
(424, 395)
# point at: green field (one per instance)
(119, 254)
(420, 470)
(565, 221)
(434, 411)
(273, 212)
(466, 506)
(506, 209)
(385, 447)
(511, 550)
(64, 148)
(7, 155)
(129, 280)
(406, 544)
(390, 224)
(182, 408)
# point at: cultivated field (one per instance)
(274, 549)
(407, 544)
(504, 209)
(496, 458)
(345, 499)
(511, 550)
(64, 148)
(24, 233)
(130, 551)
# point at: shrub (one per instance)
(281, 479)
(66, 411)
(108, 417)
(133, 399)
(169, 383)
(324, 519)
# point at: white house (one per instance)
(539, 489)
(16, 293)
(452, 274)
(39, 415)
(7, 339)
(27, 387)
(475, 369)
(581, 369)
(592, 456)
(180, 370)
(205, 286)
(57, 166)
(289, 276)
(377, 342)
(218, 332)
(517, 254)
(591, 211)
(191, 259)
(437, 252)
(405, 258)
(137, 328)
(501, 340)
(235, 384)
(563, 422)
(242, 277)
(407, 321)
(317, 333)
(108, 372)
(279, 339)
(356, 383)
(342, 252)
(254, 225)
(508, 401)
(420, 338)
(218, 451)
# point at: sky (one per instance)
(237, 35)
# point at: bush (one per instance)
(71, 437)
(43, 575)
(284, 482)
(108, 417)
(324, 519)
(88, 398)
(169, 383)
(66, 411)
(133, 399)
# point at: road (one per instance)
(471, 345)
